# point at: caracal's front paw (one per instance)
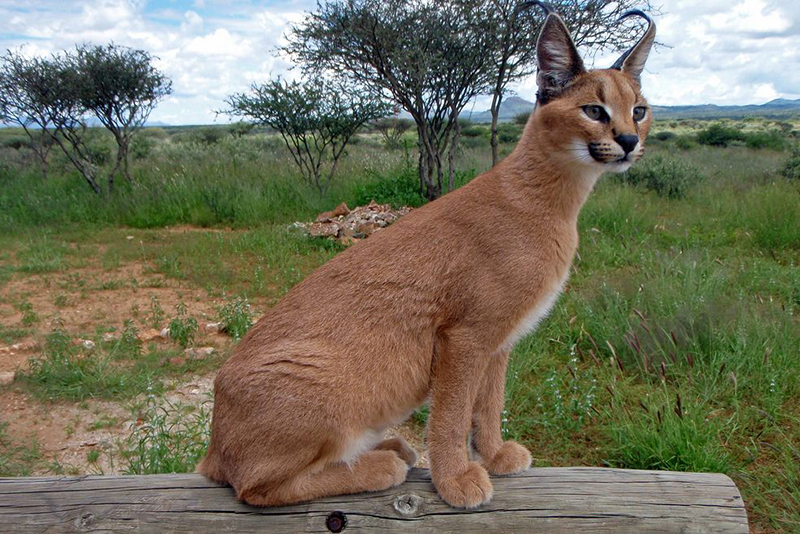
(469, 489)
(382, 469)
(511, 458)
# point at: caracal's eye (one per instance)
(639, 112)
(596, 113)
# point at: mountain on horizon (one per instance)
(780, 107)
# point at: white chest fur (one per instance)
(535, 315)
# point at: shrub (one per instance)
(183, 328)
(791, 169)
(16, 142)
(772, 140)
(668, 177)
(473, 130)
(508, 132)
(236, 318)
(142, 147)
(665, 136)
(395, 188)
(522, 118)
(719, 135)
(685, 142)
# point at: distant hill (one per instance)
(510, 108)
(780, 107)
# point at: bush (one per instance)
(772, 140)
(16, 142)
(183, 328)
(508, 132)
(236, 318)
(473, 130)
(395, 188)
(668, 177)
(665, 136)
(685, 142)
(522, 118)
(719, 135)
(791, 169)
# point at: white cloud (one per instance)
(720, 51)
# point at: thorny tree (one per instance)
(23, 90)
(316, 119)
(512, 51)
(428, 57)
(120, 86)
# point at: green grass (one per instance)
(115, 370)
(171, 439)
(17, 460)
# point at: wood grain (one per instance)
(551, 500)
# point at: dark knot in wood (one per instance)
(336, 521)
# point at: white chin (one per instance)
(617, 166)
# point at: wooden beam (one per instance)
(551, 500)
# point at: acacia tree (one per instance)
(427, 57)
(512, 51)
(121, 87)
(316, 120)
(66, 112)
(23, 89)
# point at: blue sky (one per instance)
(720, 51)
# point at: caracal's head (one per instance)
(596, 119)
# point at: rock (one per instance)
(23, 346)
(87, 344)
(7, 377)
(213, 328)
(347, 225)
(338, 211)
(324, 229)
(151, 335)
(108, 336)
(199, 353)
(164, 332)
(129, 237)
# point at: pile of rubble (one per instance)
(347, 225)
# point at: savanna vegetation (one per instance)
(675, 346)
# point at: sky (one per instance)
(721, 52)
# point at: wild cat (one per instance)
(434, 305)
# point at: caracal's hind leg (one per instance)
(374, 470)
(400, 447)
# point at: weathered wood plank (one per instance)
(552, 500)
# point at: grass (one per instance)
(675, 346)
(17, 460)
(170, 439)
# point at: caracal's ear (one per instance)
(556, 55)
(632, 61)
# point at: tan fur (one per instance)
(423, 310)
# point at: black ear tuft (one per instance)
(558, 59)
(632, 61)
